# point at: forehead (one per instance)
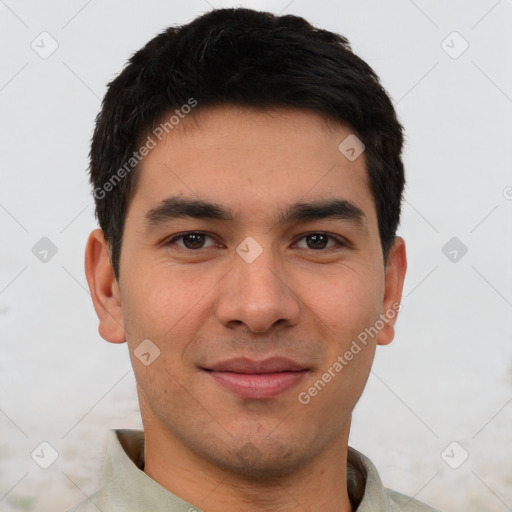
(253, 161)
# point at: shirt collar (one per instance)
(125, 486)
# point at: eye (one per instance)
(192, 240)
(318, 241)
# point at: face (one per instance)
(251, 260)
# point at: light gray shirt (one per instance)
(126, 488)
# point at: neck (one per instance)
(320, 485)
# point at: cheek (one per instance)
(162, 300)
(345, 305)
(348, 308)
(346, 301)
(166, 306)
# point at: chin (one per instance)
(263, 461)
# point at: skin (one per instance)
(200, 306)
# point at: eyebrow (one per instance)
(178, 207)
(319, 210)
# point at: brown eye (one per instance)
(318, 241)
(193, 241)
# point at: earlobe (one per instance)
(104, 288)
(394, 281)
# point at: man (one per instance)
(248, 178)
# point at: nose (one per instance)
(257, 295)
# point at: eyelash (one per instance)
(339, 243)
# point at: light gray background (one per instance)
(448, 374)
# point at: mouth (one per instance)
(257, 380)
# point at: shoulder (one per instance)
(401, 502)
(365, 487)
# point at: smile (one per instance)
(257, 380)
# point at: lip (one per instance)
(257, 379)
(250, 366)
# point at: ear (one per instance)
(104, 288)
(394, 282)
